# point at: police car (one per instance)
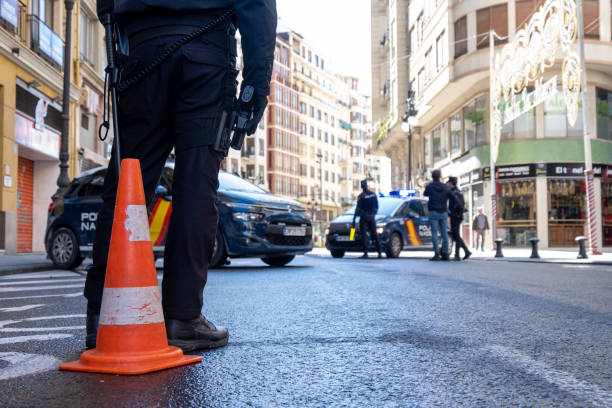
(401, 223)
(252, 222)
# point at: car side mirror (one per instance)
(412, 214)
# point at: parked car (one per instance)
(401, 223)
(252, 222)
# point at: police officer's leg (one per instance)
(363, 230)
(193, 223)
(455, 235)
(444, 231)
(374, 235)
(434, 223)
(145, 135)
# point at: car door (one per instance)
(85, 205)
(419, 220)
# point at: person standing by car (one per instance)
(439, 195)
(480, 225)
(367, 207)
(178, 106)
(456, 209)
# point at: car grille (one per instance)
(281, 240)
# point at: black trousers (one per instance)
(170, 108)
(456, 235)
(368, 223)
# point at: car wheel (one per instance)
(279, 260)
(219, 255)
(64, 251)
(395, 246)
(336, 253)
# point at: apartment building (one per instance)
(540, 187)
(31, 83)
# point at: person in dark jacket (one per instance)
(177, 106)
(439, 195)
(456, 209)
(367, 207)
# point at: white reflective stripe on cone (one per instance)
(121, 306)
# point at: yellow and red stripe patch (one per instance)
(158, 221)
(412, 234)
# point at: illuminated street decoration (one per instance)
(553, 27)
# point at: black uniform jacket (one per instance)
(367, 204)
(255, 19)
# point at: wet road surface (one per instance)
(348, 332)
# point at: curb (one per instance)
(14, 270)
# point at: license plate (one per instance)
(294, 231)
(343, 238)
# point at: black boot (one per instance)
(436, 257)
(365, 255)
(91, 328)
(379, 255)
(467, 253)
(195, 334)
(445, 257)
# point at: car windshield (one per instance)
(231, 182)
(386, 206)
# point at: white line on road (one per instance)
(40, 275)
(4, 290)
(36, 337)
(19, 308)
(32, 319)
(44, 296)
(38, 329)
(21, 364)
(29, 282)
(561, 379)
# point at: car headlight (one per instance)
(380, 228)
(247, 216)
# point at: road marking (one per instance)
(38, 329)
(39, 275)
(36, 337)
(4, 290)
(32, 319)
(561, 379)
(41, 281)
(21, 364)
(44, 296)
(19, 308)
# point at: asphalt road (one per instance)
(349, 332)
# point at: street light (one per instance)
(408, 121)
(63, 180)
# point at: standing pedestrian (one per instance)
(456, 210)
(439, 195)
(178, 105)
(480, 225)
(367, 207)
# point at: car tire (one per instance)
(64, 249)
(394, 247)
(279, 260)
(336, 253)
(219, 255)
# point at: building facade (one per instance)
(31, 82)
(540, 188)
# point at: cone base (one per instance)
(93, 361)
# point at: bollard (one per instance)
(581, 247)
(534, 248)
(498, 243)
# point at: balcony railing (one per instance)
(13, 19)
(45, 42)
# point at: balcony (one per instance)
(45, 42)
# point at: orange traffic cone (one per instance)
(132, 333)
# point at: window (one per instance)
(440, 142)
(441, 51)
(93, 187)
(522, 127)
(604, 114)
(311, 131)
(524, 11)
(460, 36)
(491, 18)
(44, 10)
(455, 133)
(426, 149)
(413, 42)
(86, 37)
(474, 130)
(429, 66)
(590, 16)
(555, 118)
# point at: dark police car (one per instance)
(252, 222)
(401, 223)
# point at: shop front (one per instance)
(37, 142)
(606, 207)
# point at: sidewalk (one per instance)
(18, 263)
(558, 256)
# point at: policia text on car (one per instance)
(177, 90)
